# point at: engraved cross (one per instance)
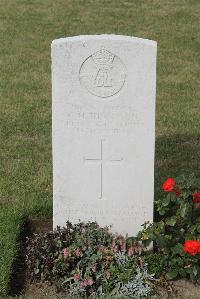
(101, 161)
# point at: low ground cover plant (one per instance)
(85, 260)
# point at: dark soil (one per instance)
(18, 280)
(41, 226)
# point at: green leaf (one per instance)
(190, 180)
(172, 196)
(182, 272)
(180, 179)
(178, 249)
(196, 212)
(171, 221)
(183, 209)
(196, 183)
(195, 270)
(37, 271)
(186, 194)
(166, 201)
(161, 212)
(189, 270)
(67, 280)
(161, 225)
(172, 274)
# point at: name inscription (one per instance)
(109, 120)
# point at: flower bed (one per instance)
(86, 260)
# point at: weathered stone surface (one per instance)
(104, 130)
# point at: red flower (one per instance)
(196, 198)
(168, 185)
(192, 247)
(177, 191)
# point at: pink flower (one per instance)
(107, 274)
(77, 277)
(122, 243)
(94, 268)
(85, 282)
(114, 247)
(66, 252)
(131, 251)
(82, 285)
(78, 253)
(135, 249)
(90, 281)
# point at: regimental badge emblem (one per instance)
(103, 74)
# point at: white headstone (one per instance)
(104, 130)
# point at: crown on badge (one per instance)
(103, 57)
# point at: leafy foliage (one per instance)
(180, 221)
(154, 262)
(137, 288)
(85, 260)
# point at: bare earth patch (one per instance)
(41, 226)
(187, 289)
(182, 289)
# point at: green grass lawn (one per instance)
(27, 28)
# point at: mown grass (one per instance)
(27, 28)
(10, 224)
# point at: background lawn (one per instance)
(27, 28)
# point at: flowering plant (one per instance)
(84, 260)
(192, 247)
(177, 233)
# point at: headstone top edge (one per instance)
(113, 37)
